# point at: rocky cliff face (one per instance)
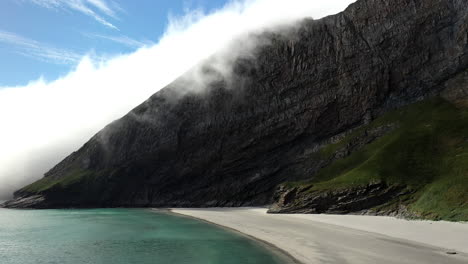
(232, 144)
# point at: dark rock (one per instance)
(340, 201)
(26, 202)
(232, 144)
(456, 89)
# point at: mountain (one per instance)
(291, 114)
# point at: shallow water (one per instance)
(121, 236)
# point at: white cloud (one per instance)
(42, 122)
(102, 5)
(83, 6)
(37, 50)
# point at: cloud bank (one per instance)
(42, 122)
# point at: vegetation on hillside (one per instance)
(428, 153)
(49, 182)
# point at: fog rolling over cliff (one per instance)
(233, 143)
(44, 121)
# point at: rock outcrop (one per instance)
(233, 143)
(344, 201)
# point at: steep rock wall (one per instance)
(232, 144)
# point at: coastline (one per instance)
(344, 238)
(276, 251)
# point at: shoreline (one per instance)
(276, 251)
(343, 238)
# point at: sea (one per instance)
(122, 236)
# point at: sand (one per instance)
(346, 238)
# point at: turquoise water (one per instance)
(130, 236)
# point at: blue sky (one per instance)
(47, 38)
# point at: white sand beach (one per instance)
(346, 238)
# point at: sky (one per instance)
(70, 67)
(47, 38)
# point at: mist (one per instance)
(44, 121)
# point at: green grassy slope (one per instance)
(428, 153)
(48, 183)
